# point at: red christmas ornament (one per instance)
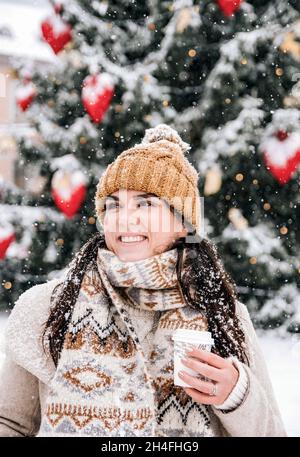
(68, 191)
(25, 94)
(96, 95)
(228, 7)
(282, 135)
(58, 7)
(282, 155)
(7, 236)
(56, 32)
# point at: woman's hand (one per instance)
(222, 372)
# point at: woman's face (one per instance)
(136, 213)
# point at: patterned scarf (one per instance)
(151, 284)
(103, 385)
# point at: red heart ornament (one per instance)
(68, 191)
(228, 7)
(97, 93)
(282, 155)
(7, 236)
(25, 95)
(56, 32)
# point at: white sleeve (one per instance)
(258, 414)
(238, 393)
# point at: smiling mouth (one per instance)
(132, 240)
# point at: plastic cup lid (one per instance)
(193, 335)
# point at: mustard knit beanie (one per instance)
(156, 165)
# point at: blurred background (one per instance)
(81, 80)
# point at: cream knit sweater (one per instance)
(144, 321)
(23, 394)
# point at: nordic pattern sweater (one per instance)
(23, 394)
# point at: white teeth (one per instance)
(129, 239)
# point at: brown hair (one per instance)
(205, 284)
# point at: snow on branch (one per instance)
(26, 217)
(262, 243)
(236, 135)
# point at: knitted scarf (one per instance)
(103, 384)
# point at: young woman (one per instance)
(91, 354)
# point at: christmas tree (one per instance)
(225, 74)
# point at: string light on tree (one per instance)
(253, 260)
(192, 52)
(239, 177)
(151, 26)
(7, 285)
(82, 140)
(283, 230)
(118, 108)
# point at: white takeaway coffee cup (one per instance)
(184, 339)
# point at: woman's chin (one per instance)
(131, 253)
(132, 257)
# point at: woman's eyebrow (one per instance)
(114, 197)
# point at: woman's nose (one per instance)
(129, 217)
(134, 219)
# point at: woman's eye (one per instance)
(145, 202)
(115, 204)
(110, 206)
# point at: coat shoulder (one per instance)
(242, 311)
(25, 325)
(33, 300)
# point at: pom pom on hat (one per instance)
(165, 132)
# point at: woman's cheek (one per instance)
(110, 222)
(152, 220)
